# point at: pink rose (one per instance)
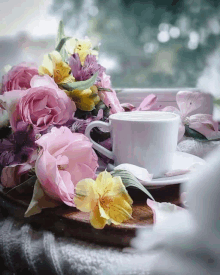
(43, 105)
(109, 98)
(65, 159)
(18, 78)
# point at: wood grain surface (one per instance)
(69, 222)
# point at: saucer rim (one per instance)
(163, 181)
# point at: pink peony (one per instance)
(18, 78)
(43, 105)
(109, 98)
(65, 159)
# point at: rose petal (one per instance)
(66, 188)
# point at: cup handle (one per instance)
(97, 146)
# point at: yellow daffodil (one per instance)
(106, 199)
(85, 100)
(81, 46)
(54, 66)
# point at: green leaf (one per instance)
(39, 201)
(96, 48)
(61, 43)
(130, 180)
(105, 90)
(60, 36)
(60, 33)
(217, 101)
(80, 85)
(194, 134)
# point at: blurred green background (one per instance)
(142, 43)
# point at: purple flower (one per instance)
(6, 158)
(19, 147)
(86, 71)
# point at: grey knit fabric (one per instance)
(25, 250)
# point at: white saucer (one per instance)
(182, 161)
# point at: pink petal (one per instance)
(66, 188)
(47, 173)
(62, 160)
(147, 103)
(204, 124)
(40, 104)
(99, 115)
(9, 100)
(111, 100)
(177, 172)
(81, 171)
(189, 101)
(44, 81)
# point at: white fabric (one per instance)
(189, 241)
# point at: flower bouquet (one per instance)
(44, 113)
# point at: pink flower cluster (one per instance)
(42, 105)
(64, 160)
(19, 77)
(63, 157)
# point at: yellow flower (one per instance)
(81, 46)
(85, 100)
(106, 199)
(54, 66)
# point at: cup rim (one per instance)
(123, 116)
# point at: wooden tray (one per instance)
(69, 222)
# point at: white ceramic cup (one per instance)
(147, 139)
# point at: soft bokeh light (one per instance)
(133, 36)
(163, 36)
(174, 32)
